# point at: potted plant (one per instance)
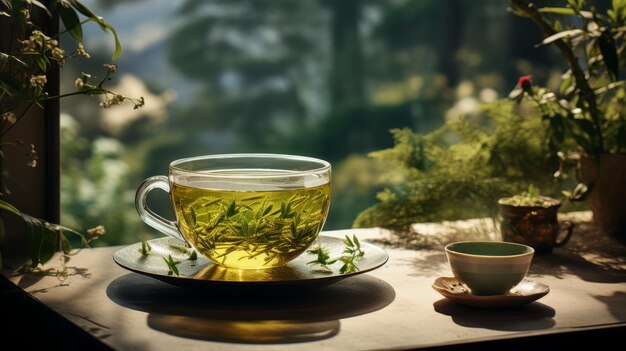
(531, 219)
(30, 55)
(586, 117)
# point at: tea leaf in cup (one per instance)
(251, 231)
(267, 210)
(232, 209)
(285, 210)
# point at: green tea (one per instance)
(262, 228)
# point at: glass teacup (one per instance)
(247, 211)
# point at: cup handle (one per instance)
(151, 218)
(569, 227)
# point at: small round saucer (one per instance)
(523, 293)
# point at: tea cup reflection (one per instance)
(218, 273)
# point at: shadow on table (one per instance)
(27, 280)
(264, 316)
(534, 316)
(430, 263)
(561, 263)
(592, 255)
(615, 304)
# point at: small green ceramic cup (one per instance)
(489, 267)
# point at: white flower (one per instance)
(9, 117)
(79, 83)
(80, 51)
(110, 67)
(25, 13)
(94, 233)
(32, 157)
(38, 81)
(58, 54)
(115, 100)
(36, 41)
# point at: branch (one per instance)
(585, 92)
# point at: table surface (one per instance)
(393, 307)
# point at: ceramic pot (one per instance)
(605, 174)
(535, 226)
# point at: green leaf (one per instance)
(42, 63)
(118, 45)
(145, 248)
(348, 242)
(286, 211)
(244, 226)
(294, 229)
(557, 128)
(15, 59)
(565, 85)
(561, 35)
(33, 238)
(82, 8)
(101, 22)
(566, 11)
(71, 22)
(41, 240)
(558, 10)
(49, 245)
(586, 126)
(109, 28)
(267, 210)
(171, 264)
(358, 245)
(609, 54)
(7, 4)
(11, 83)
(66, 246)
(348, 265)
(619, 6)
(179, 248)
(10, 208)
(41, 6)
(576, 5)
(232, 209)
(193, 256)
(583, 132)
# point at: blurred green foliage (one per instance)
(461, 169)
(95, 189)
(327, 79)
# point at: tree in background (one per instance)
(256, 62)
(321, 78)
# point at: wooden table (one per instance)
(393, 307)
